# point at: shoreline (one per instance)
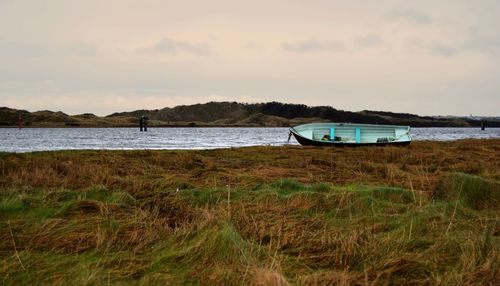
(269, 146)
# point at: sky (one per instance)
(424, 57)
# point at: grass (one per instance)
(474, 191)
(424, 215)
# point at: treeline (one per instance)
(329, 113)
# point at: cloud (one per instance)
(253, 46)
(442, 49)
(410, 15)
(20, 49)
(312, 45)
(483, 44)
(81, 49)
(171, 46)
(32, 50)
(448, 49)
(433, 47)
(370, 40)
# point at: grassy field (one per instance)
(427, 214)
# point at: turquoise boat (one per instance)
(349, 134)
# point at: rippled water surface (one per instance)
(42, 139)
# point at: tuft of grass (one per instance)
(392, 194)
(322, 187)
(476, 192)
(216, 252)
(288, 185)
(11, 204)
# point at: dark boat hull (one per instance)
(308, 142)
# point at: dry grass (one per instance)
(423, 215)
(418, 166)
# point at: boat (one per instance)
(350, 134)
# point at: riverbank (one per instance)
(423, 214)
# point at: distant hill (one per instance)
(281, 114)
(45, 118)
(234, 114)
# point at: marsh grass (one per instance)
(475, 191)
(251, 216)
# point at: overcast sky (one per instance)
(425, 57)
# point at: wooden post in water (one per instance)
(20, 122)
(143, 123)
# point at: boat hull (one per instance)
(350, 135)
(308, 142)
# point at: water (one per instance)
(43, 139)
(448, 134)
